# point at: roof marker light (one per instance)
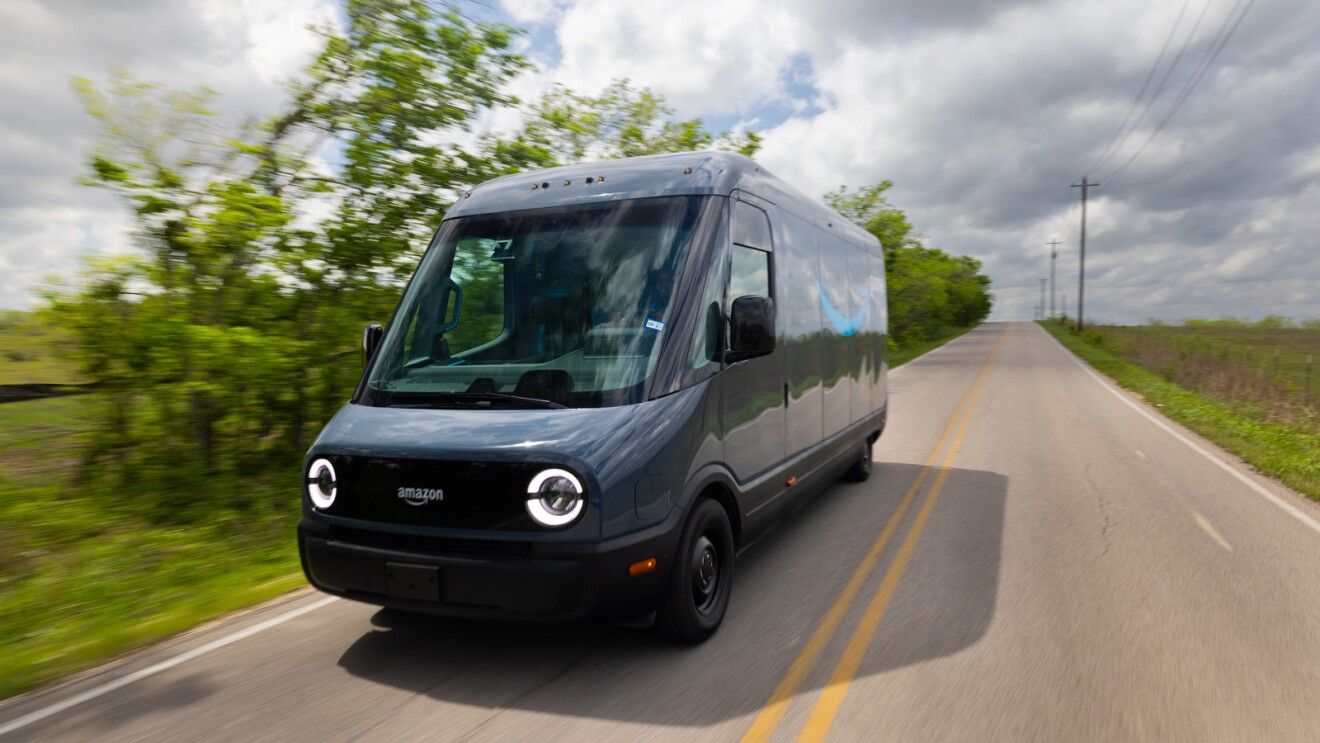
(567, 181)
(687, 171)
(535, 186)
(600, 179)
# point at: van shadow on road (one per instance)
(783, 587)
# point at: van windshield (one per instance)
(557, 307)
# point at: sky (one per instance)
(983, 113)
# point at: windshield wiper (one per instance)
(467, 400)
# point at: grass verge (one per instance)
(83, 578)
(1288, 453)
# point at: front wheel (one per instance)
(701, 579)
(861, 469)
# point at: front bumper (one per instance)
(505, 579)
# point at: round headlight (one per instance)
(322, 485)
(554, 498)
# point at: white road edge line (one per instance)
(1255, 486)
(164, 665)
(1209, 528)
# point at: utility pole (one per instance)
(1042, 298)
(1054, 253)
(1081, 261)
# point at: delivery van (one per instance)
(602, 381)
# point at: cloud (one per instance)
(707, 59)
(47, 220)
(984, 127)
(982, 113)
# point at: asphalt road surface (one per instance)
(1034, 558)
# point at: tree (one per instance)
(563, 127)
(930, 291)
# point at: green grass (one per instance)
(30, 352)
(1282, 357)
(1289, 452)
(84, 578)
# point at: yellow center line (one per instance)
(768, 718)
(831, 698)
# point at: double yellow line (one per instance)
(831, 698)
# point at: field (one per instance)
(30, 352)
(1221, 382)
(84, 577)
(1269, 373)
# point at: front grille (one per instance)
(424, 545)
(475, 495)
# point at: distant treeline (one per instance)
(1269, 322)
(230, 337)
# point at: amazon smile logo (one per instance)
(845, 325)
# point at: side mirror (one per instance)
(752, 328)
(371, 336)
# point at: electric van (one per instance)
(601, 382)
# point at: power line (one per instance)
(1110, 148)
(1187, 42)
(1217, 45)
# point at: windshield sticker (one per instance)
(655, 325)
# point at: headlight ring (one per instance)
(555, 498)
(322, 484)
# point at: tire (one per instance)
(860, 471)
(701, 579)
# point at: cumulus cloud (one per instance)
(706, 58)
(982, 113)
(242, 49)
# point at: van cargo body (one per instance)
(602, 381)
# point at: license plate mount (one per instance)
(416, 582)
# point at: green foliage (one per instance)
(930, 291)
(564, 127)
(31, 351)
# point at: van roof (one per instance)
(678, 174)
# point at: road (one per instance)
(1034, 558)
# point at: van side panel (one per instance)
(799, 314)
(839, 313)
(878, 328)
(861, 358)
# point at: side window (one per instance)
(706, 345)
(473, 312)
(750, 274)
(750, 226)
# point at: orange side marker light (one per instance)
(645, 566)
